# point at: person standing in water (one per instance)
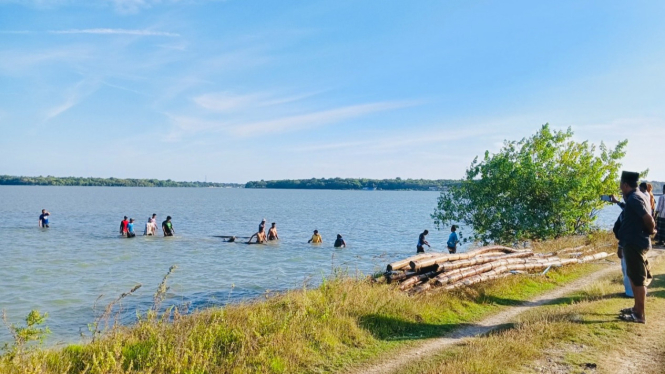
(262, 225)
(339, 242)
(422, 242)
(453, 239)
(151, 225)
(272, 233)
(130, 228)
(316, 238)
(123, 226)
(260, 237)
(43, 219)
(167, 227)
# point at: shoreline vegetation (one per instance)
(9, 180)
(397, 184)
(345, 322)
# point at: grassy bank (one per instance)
(342, 322)
(579, 335)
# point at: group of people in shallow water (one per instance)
(263, 238)
(260, 237)
(453, 240)
(127, 227)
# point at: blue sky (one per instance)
(243, 90)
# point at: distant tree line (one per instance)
(354, 184)
(110, 182)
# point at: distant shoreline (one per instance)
(357, 184)
(8, 180)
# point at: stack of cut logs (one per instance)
(429, 272)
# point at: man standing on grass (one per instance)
(634, 243)
(660, 219)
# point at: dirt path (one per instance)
(431, 346)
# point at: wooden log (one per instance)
(396, 276)
(420, 288)
(448, 266)
(401, 264)
(595, 257)
(475, 280)
(566, 250)
(491, 254)
(421, 263)
(415, 280)
(469, 276)
(458, 278)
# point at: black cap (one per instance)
(630, 176)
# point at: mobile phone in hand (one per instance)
(605, 198)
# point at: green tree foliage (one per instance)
(542, 187)
(109, 182)
(353, 184)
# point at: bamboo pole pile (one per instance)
(427, 272)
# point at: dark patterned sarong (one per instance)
(660, 227)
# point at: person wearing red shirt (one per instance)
(123, 226)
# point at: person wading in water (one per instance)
(167, 227)
(272, 233)
(422, 242)
(260, 237)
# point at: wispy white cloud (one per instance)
(185, 125)
(226, 101)
(316, 119)
(19, 60)
(396, 142)
(136, 32)
(230, 102)
(73, 96)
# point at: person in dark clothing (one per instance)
(634, 242)
(167, 227)
(422, 242)
(626, 281)
(43, 218)
(339, 242)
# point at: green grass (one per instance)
(341, 323)
(564, 337)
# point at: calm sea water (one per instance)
(64, 269)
